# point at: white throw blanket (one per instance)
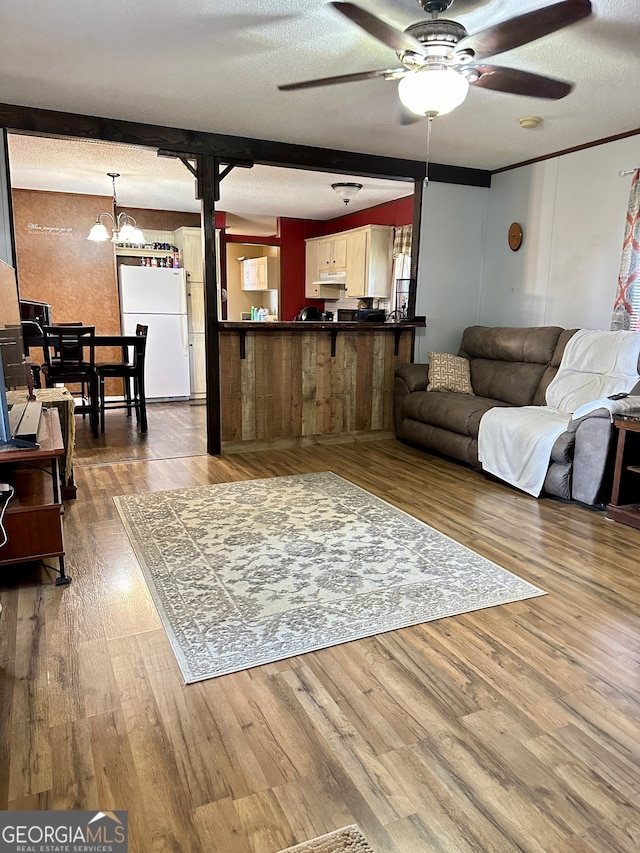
(515, 444)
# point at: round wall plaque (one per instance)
(515, 236)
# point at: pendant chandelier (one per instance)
(123, 226)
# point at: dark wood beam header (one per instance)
(229, 148)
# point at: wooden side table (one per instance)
(624, 513)
(63, 401)
(33, 519)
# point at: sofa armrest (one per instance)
(415, 376)
(591, 453)
(596, 413)
(408, 378)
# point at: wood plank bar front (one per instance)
(288, 383)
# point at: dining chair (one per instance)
(131, 370)
(32, 337)
(69, 349)
(69, 359)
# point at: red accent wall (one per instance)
(294, 232)
(399, 212)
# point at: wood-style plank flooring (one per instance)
(515, 728)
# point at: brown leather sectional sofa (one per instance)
(509, 367)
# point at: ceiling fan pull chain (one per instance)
(425, 183)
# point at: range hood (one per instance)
(333, 279)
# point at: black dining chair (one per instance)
(70, 359)
(32, 337)
(131, 370)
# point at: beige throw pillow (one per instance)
(449, 373)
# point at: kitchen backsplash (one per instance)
(352, 304)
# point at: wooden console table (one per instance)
(625, 513)
(33, 518)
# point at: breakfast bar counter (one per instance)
(295, 383)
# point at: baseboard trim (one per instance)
(304, 441)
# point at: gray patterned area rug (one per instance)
(251, 572)
(349, 839)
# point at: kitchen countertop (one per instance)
(316, 326)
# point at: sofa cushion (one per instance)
(531, 344)
(449, 373)
(450, 410)
(513, 382)
(509, 363)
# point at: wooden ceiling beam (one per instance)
(227, 149)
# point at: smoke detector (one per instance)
(529, 122)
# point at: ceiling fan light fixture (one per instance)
(433, 90)
(347, 190)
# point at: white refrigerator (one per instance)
(157, 298)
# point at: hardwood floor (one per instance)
(515, 728)
(175, 429)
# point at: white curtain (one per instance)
(626, 309)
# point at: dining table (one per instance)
(102, 342)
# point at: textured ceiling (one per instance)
(162, 183)
(215, 65)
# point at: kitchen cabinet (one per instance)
(367, 263)
(189, 242)
(312, 289)
(332, 253)
(195, 328)
(195, 306)
(197, 365)
(261, 273)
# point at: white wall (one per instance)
(450, 267)
(572, 209)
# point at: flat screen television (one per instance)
(9, 427)
(11, 341)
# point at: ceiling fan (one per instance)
(440, 58)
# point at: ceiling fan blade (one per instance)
(387, 73)
(393, 38)
(526, 28)
(520, 82)
(461, 7)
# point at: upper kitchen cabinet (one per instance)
(332, 253)
(369, 261)
(318, 282)
(189, 242)
(261, 273)
(363, 256)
